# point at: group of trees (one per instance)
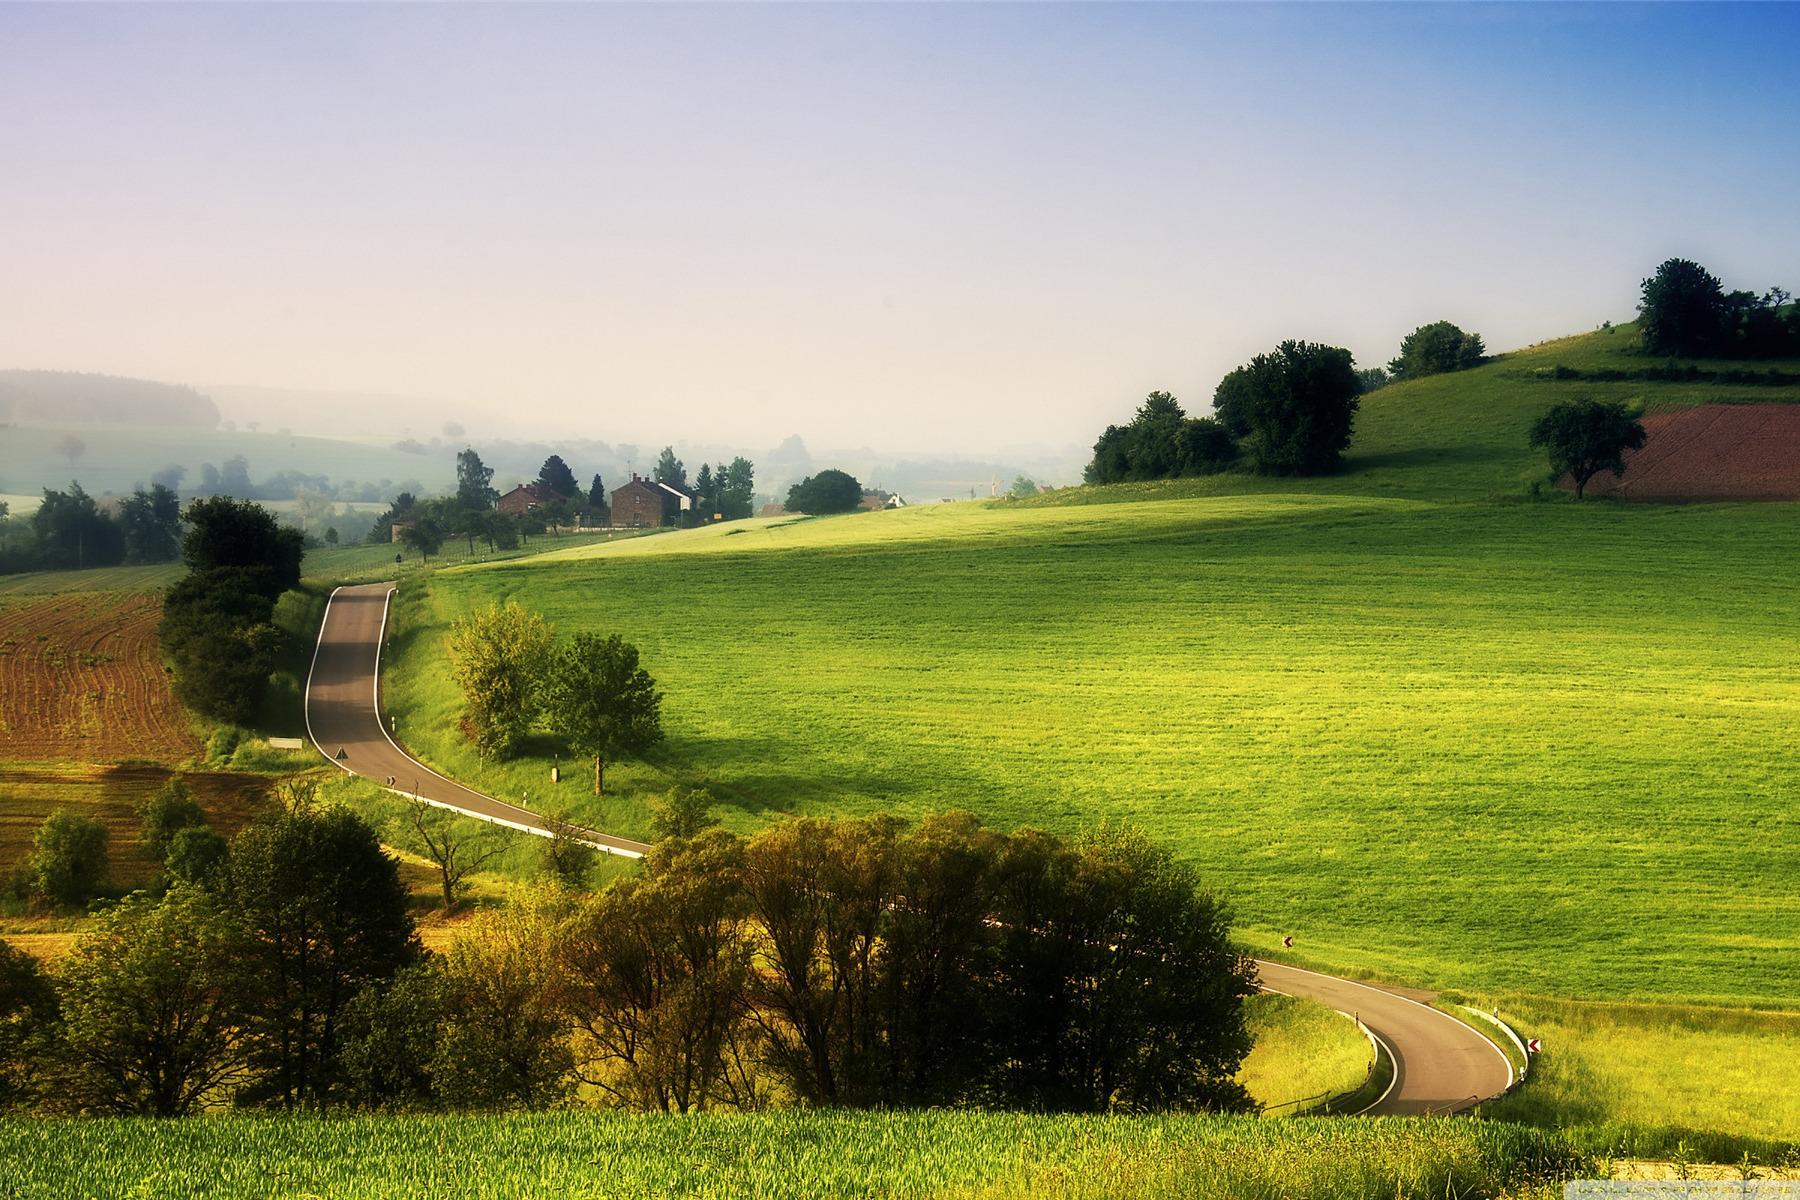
(830, 491)
(821, 963)
(727, 492)
(1685, 310)
(591, 692)
(71, 530)
(217, 629)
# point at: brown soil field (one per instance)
(81, 681)
(1714, 452)
(111, 795)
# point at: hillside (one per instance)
(1462, 436)
(72, 397)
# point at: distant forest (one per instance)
(70, 396)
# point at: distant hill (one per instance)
(69, 397)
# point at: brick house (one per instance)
(526, 497)
(646, 504)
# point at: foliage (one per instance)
(424, 535)
(224, 533)
(28, 1010)
(669, 469)
(392, 1035)
(500, 655)
(151, 525)
(71, 531)
(1160, 443)
(327, 913)
(168, 811)
(556, 476)
(157, 1003)
(1231, 402)
(1023, 488)
(1372, 379)
(1434, 349)
(1684, 310)
(602, 701)
(474, 482)
(598, 499)
(1299, 403)
(563, 856)
(686, 812)
(1585, 437)
(197, 855)
(830, 491)
(218, 633)
(68, 862)
(729, 491)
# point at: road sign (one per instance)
(1287, 941)
(1533, 1045)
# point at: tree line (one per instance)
(1288, 412)
(72, 531)
(858, 962)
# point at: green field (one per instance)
(795, 1156)
(1540, 747)
(1304, 1052)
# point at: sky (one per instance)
(915, 226)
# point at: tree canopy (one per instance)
(1585, 437)
(669, 469)
(1161, 442)
(223, 532)
(474, 481)
(830, 491)
(1685, 310)
(1299, 403)
(556, 476)
(1434, 350)
(602, 701)
(499, 655)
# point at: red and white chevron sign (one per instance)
(1533, 1045)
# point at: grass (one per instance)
(95, 579)
(802, 1156)
(1303, 1051)
(1539, 748)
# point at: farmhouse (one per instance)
(526, 497)
(646, 504)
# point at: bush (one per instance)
(1434, 350)
(1300, 404)
(830, 491)
(69, 865)
(168, 812)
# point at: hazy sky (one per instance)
(921, 226)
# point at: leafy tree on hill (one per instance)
(170, 810)
(556, 476)
(669, 469)
(424, 536)
(830, 491)
(474, 482)
(1300, 404)
(737, 489)
(602, 701)
(68, 863)
(1231, 402)
(1023, 488)
(1372, 379)
(73, 532)
(499, 655)
(217, 630)
(1585, 437)
(1685, 310)
(1434, 350)
(1161, 442)
(223, 532)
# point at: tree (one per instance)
(1300, 403)
(1231, 402)
(74, 532)
(70, 447)
(830, 491)
(456, 845)
(474, 482)
(603, 702)
(669, 469)
(499, 655)
(68, 864)
(196, 856)
(686, 812)
(425, 537)
(392, 1036)
(328, 916)
(28, 1011)
(1433, 350)
(223, 532)
(564, 855)
(737, 489)
(151, 522)
(1160, 443)
(167, 812)
(217, 631)
(1585, 437)
(1023, 488)
(1372, 379)
(556, 476)
(1682, 310)
(157, 1003)
(597, 499)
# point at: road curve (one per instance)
(343, 719)
(1440, 1064)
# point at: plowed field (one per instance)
(81, 680)
(1714, 452)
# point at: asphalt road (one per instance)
(1440, 1064)
(343, 718)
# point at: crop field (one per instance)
(81, 680)
(1541, 747)
(94, 579)
(802, 1156)
(111, 795)
(1714, 451)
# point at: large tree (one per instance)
(1161, 442)
(556, 476)
(669, 469)
(73, 532)
(217, 631)
(830, 491)
(158, 1001)
(1433, 350)
(328, 914)
(1682, 310)
(474, 481)
(1585, 437)
(28, 1012)
(737, 489)
(152, 525)
(223, 532)
(602, 701)
(499, 655)
(1300, 403)
(68, 862)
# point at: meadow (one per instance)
(788, 1156)
(1537, 748)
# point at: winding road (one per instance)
(343, 719)
(1440, 1064)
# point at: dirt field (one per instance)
(1714, 452)
(111, 795)
(81, 681)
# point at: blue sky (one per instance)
(926, 226)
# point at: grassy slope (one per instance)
(1304, 1051)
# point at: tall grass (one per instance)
(1303, 1051)
(802, 1156)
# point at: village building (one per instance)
(646, 504)
(526, 497)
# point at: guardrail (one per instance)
(1328, 1103)
(1493, 1018)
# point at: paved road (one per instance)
(343, 718)
(1440, 1064)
